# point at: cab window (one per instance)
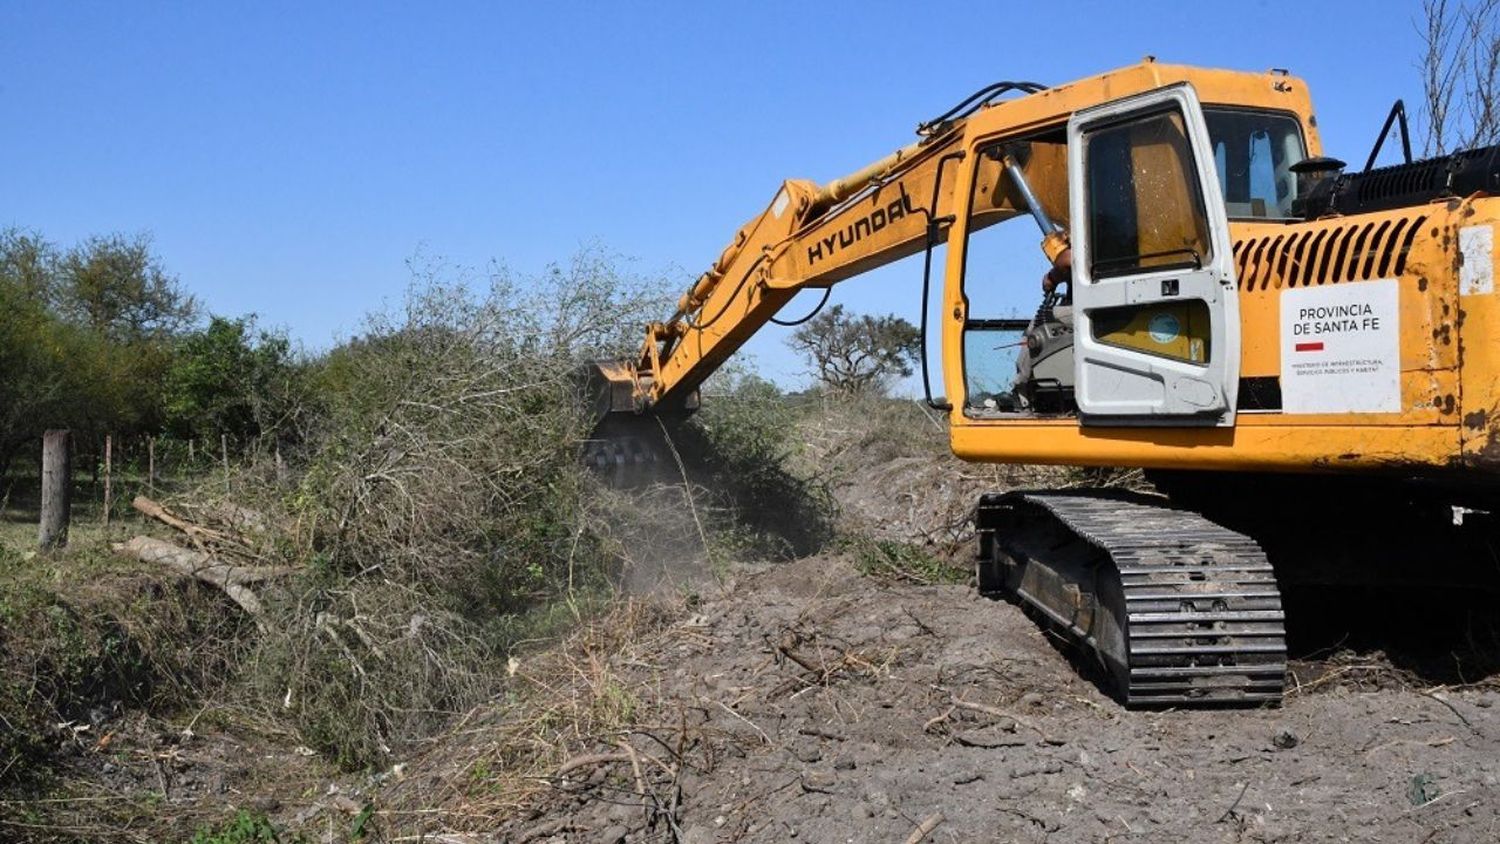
(1254, 152)
(1145, 209)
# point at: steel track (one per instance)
(1179, 609)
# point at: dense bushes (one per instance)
(429, 494)
(438, 497)
(101, 339)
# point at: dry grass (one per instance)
(890, 467)
(565, 717)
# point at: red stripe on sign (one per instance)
(1309, 347)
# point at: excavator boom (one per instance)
(809, 236)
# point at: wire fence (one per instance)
(109, 471)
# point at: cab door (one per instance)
(1156, 312)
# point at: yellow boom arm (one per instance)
(808, 237)
(813, 236)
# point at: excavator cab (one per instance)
(1146, 330)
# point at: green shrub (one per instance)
(243, 828)
(903, 561)
(741, 445)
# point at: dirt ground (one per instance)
(809, 701)
(843, 709)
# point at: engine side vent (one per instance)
(1380, 185)
(1404, 185)
(1326, 255)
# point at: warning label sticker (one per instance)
(1341, 348)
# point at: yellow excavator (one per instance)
(1280, 341)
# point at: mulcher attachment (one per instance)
(628, 445)
(1178, 609)
(628, 451)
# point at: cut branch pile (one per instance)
(219, 557)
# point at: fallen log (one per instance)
(233, 579)
(201, 537)
(152, 510)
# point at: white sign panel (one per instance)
(1476, 274)
(1341, 348)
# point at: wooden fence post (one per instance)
(108, 474)
(57, 488)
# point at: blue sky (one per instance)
(289, 158)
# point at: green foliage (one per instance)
(903, 561)
(364, 823)
(858, 354)
(244, 828)
(32, 352)
(85, 336)
(228, 378)
(116, 287)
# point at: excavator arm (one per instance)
(809, 236)
(813, 236)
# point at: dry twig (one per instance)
(925, 828)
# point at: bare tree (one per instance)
(856, 354)
(1460, 70)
